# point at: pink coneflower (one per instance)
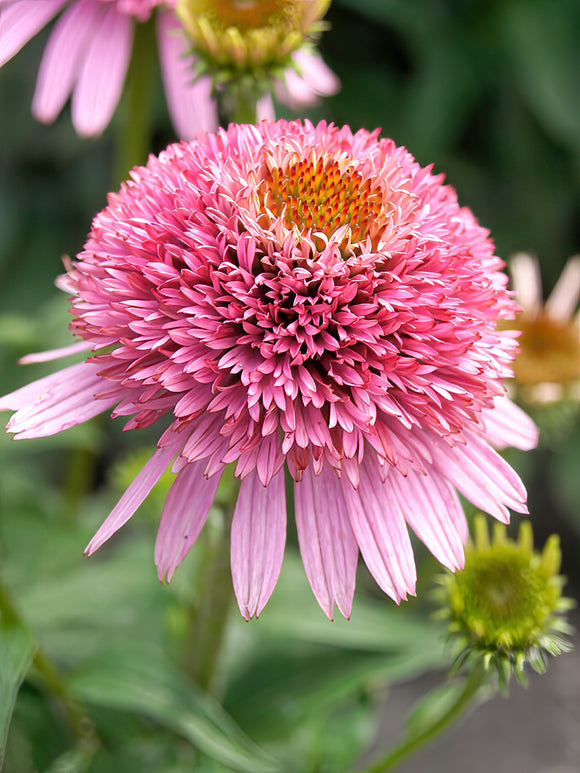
(302, 298)
(88, 55)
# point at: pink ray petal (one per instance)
(21, 21)
(102, 73)
(133, 496)
(56, 402)
(432, 509)
(62, 59)
(507, 425)
(55, 354)
(327, 544)
(183, 516)
(381, 533)
(191, 106)
(482, 476)
(43, 387)
(257, 541)
(313, 80)
(527, 282)
(563, 299)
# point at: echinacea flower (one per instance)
(547, 368)
(295, 297)
(245, 49)
(506, 609)
(88, 53)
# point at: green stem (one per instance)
(238, 102)
(134, 138)
(79, 723)
(209, 616)
(473, 683)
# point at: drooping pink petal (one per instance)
(257, 542)
(133, 496)
(507, 425)
(55, 354)
(56, 402)
(190, 103)
(327, 545)
(527, 282)
(482, 476)
(563, 299)
(183, 516)
(102, 73)
(314, 79)
(62, 59)
(432, 509)
(381, 533)
(20, 22)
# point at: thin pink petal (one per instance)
(191, 106)
(21, 21)
(257, 542)
(563, 299)
(381, 533)
(184, 514)
(432, 509)
(527, 282)
(43, 387)
(482, 476)
(327, 544)
(265, 108)
(62, 59)
(102, 74)
(507, 425)
(57, 402)
(133, 496)
(314, 79)
(55, 354)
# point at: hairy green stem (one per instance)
(238, 102)
(134, 138)
(213, 600)
(473, 683)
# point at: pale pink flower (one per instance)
(547, 368)
(301, 298)
(88, 53)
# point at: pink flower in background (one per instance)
(88, 53)
(300, 297)
(547, 368)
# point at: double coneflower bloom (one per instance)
(290, 298)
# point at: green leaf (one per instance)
(17, 648)
(141, 681)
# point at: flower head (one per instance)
(247, 35)
(290, 296)
(506, 606)
(547, 367)
(87, 55)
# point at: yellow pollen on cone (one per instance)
(319, 195)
